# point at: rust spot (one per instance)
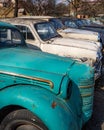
(54, 104)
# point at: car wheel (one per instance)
(22, 120)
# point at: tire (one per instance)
(22, 120)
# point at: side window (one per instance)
(26, 32)
(16, 37)
(3, 35)
(10, 37)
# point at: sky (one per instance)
(59, 1)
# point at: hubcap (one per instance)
(26, 127)
(22, 125)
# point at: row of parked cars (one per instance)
(47, 73)
(82, 45)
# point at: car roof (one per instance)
(7, 25)
(63, 19)
(36, 17)
(23, 20)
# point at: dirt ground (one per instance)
(97, 120)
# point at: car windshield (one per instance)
(80, 23)
(10, 37)
(84, 21)
(46, 31)
(71, 24)
(88, 21)
(56, 23)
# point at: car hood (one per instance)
(95, 26)
(71, 30)
(81, 34)
(90, 45)
(36, 64)
(92, 29)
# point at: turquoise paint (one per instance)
(84, 77)
(39, 101)
(7, 25)
(69, 113)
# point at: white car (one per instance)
(74, 33)
(68, 32)
(42, 35)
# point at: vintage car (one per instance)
(67, 31)
(94, 20)
(74, 33)
(80, 24)
(89, 23)
(40, 34)
(39, 90)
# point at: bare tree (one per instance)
(62, 9)
(44, 7)
(100, 7)
(92, 8)
(16, 9)
(51, 8)
(74, 5)
(86, 8)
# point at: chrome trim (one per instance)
(87, 95)
(29, 77)
(89, 86)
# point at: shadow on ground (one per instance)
(97, 120)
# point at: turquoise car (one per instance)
(41, 91)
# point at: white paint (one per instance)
(79, 34)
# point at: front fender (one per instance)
(51, 109)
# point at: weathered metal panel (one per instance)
(40, 102)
